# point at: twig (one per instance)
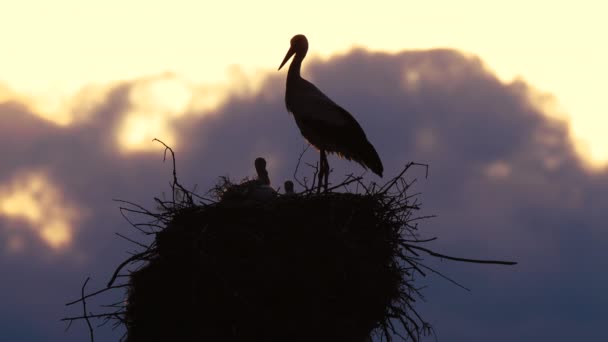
(126, 262)
(102, 315)
(167, 148)
(295, 172)
(477, 261)
(390, 183)
(176, 185)
(357, 179)
(131, 240)
(96, 293)
(84, 309)
(445, 277)
(420, 240)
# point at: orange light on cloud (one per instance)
(33, 198)
(497, 170)
(5, 93)
(139, 128)
(154, 103)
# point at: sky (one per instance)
(501, 100)
(58, 48)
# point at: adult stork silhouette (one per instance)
(325, 125)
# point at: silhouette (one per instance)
(258, 189)
(325, 125)
(260, 168)
(297, 268)
(301, 268)
(288, 188)
(261, 189)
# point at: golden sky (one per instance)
(51, 49)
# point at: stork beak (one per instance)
(287, 56)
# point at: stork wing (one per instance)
(309, 103)
(328, 126)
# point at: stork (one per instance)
(288, 185)
(260, 169)
(323, 123)
(261, 189)
(258, 189)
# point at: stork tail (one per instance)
(372, 160)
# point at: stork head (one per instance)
(260, 163)
(299, 47)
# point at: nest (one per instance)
(298, 267)
(291, 269)
(333, 266)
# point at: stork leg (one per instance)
(323, 172)
(322, 161)
(326, 172)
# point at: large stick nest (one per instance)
(291, 269)
(334, 266)
(298, 267)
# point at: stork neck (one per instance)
(294, 67)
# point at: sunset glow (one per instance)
(33, 198)
(487, 119)
(73, 46)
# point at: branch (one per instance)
(124, 263)
(477, 261)
(295, 172)
(103, 315)
(95, 293)
(84, 309)
(392, 182)
(175, 184)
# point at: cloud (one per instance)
(504, 181)
(34, 199)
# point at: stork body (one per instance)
(325, 124)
